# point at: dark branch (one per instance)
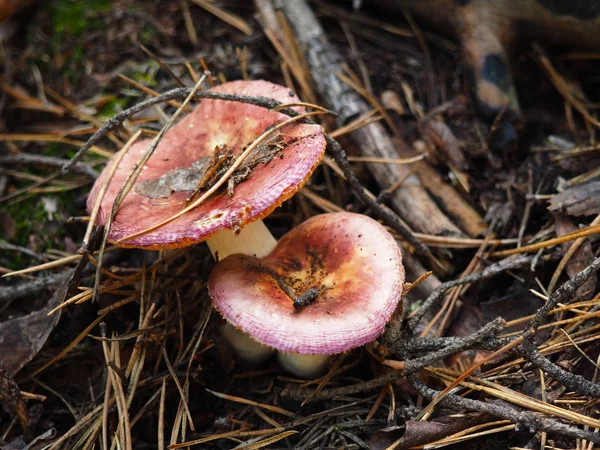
(531, 421)
(467, 342)
(564, 293)
(490, 271)
(384, 213)
(411, 366)
(50, 161)
(381, 211)
(117, 121)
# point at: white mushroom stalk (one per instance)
(303, 366)
(254, 239)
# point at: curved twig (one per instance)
(529, 420)
(570, 380)
(338, 153)
(488, 272)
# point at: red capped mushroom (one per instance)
(195, 153)
(196, 150)
(330, 285)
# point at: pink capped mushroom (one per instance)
(198, 148)
(330, 285)
(191, 157)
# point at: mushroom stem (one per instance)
(254, 239)
(303, 366)
(246, 348)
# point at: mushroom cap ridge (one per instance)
(352, 256)
(213, 123)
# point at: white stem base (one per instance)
(254, 239)
(246, 348)
(303, 366)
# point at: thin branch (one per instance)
(428, 344)
(117, 121)
(466, 343)
(381, 211)
(29, 288)
(570, 380)
(133, 175)
(389, 217)
(488, 272)
(409, 367)
(298, 393)
(17, 248)
(533, 422)
(50, 161)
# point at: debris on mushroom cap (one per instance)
(350, 259)
(215, 125)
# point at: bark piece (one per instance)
(22, 338)
(467, 217)
(580, 200)
(418, 432)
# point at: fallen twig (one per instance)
(455, 346)
(570, 380)
(51, 161)
(28, 288)
(531, 421)
(381, 211)
(17, 248)
(333, 146)
(488, 272)
(299, 393)
(174, 94)
(407, 367)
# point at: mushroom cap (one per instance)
(213, 123)
(351, 256)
